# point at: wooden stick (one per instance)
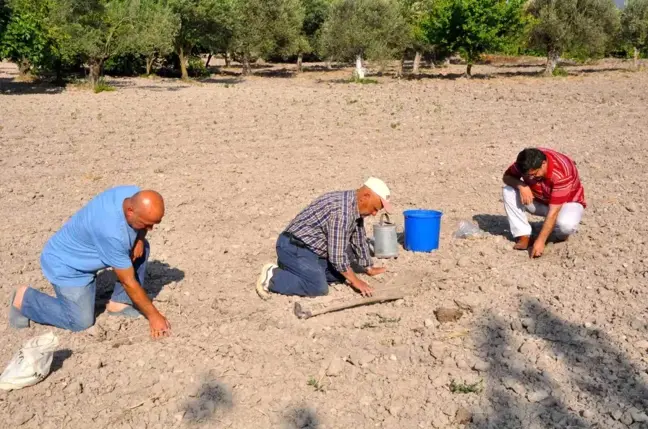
(304, 313)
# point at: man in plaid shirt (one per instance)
(545, 183)
(313, 251)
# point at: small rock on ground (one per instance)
(445, 315)
(537, 395)
(463, 416)
(335, 367)
(437, 349)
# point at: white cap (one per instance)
(380, 189)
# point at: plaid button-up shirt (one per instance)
(329, 225)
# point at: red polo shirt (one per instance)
(561, 184)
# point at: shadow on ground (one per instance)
(59, 357)
(301, 418)
(158, 275)
(523, 389)
(211, 398)
(10, 87)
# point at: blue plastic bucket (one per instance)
(422, 229)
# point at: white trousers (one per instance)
(567, 223)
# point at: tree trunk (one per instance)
(247, 70)
(469, 70)
(228, 61)
(184, 74)
(636, 58)
(95, 72)
(208, 60)
(149, 64)
(359, 72)
(552, 60)
(328, 64)
(300, 59)
(24, 69)
(401, 67)
(58, 68)
(417, 63)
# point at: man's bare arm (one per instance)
(512, 181)
(549, 223)
(135, 291)
(357, 283)
(159, 325)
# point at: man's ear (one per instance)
(365, 194)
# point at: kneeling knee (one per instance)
(320, 289)
(81, 322)
(566, 227)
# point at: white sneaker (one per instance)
(263, 282)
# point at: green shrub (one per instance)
(560, 72)
(125, 65)
(102, 86)
(196, 68)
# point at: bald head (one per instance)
(144, 210)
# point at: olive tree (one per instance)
(415, 13)
(364, 30)
(157, 27)
(95, 30)
(315, 13)
(29, 40)
(201, 22)
(634, 26)
(586, 26)
(474, 27)
(266, 26)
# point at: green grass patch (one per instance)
(560, 72)
(365, 81)
(315, 384)
(103, 86)
(456, 387)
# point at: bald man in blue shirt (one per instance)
(108, 232)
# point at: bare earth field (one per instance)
(551, 343)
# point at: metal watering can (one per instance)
(385, 239)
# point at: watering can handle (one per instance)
(382, 217)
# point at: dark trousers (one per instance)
(301, 272)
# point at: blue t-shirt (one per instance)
(96, 237)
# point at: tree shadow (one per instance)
(223, 80)
(10, 87)
(301, 418)
(158, 275)
(521, 73)
(591, 70)
(211, 398)
(447, 76)
(282, 73)
(317, 68)
(522, 391)
(59, 357)
(123, 83)
(513, 66)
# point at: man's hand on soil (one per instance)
(362, 287)
(374, 271)
(160, 326)
(537, 249)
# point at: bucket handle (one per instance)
(382, 217)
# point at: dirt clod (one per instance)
(447, 315)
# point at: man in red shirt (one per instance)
(545, 183)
